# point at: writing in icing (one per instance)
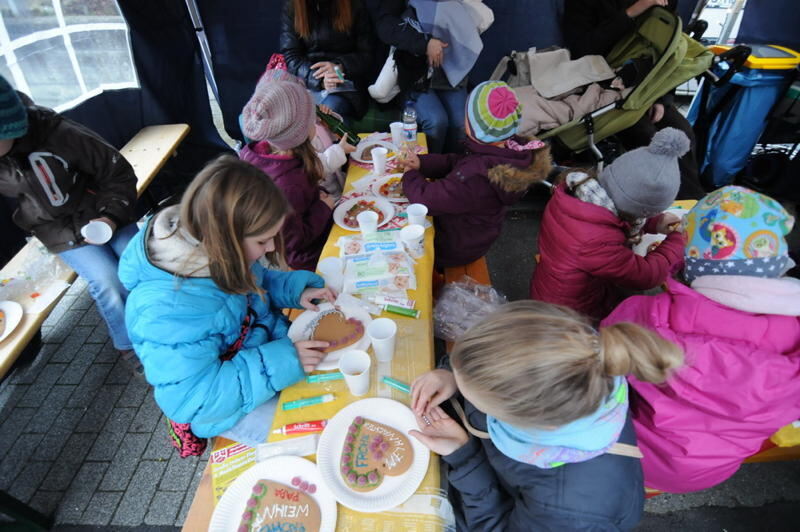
(286, 510)
(361, 456)
(286, 494)
(282, 527)
(396, 457)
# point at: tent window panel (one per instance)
(28, 16)
(104, 57)
(78, 11)
(48, 72)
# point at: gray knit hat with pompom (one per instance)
(644, 182)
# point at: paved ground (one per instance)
(81, 438)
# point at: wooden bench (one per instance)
(147, 152)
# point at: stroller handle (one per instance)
(736, 58)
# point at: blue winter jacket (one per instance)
(179, 328)
(497, 493)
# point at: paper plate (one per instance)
(12, 315)
(370, 143)
(383, 204)
(299, 330)
(281, 469)
(379, 182)
(394, 490)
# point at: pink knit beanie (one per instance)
(280, 111)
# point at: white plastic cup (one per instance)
(397, 134)
(416, 214)
(367, 222)
(354, 365)
(97, 232)
(413, 236)
(330, 269)
(379, 160)
(382, 334)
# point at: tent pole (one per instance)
(205, 50)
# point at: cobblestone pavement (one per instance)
(82, 438)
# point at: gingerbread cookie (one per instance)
(275, 506)
(371, 451)
(331, 326)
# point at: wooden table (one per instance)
(413, 356)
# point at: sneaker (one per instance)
(129, 357)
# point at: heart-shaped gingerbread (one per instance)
(371, 451)
(331, 326)
(275, 506)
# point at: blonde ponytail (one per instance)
(629, 349)
(531, 363)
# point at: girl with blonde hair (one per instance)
(203, 313)
(547, 401)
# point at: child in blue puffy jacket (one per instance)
(203, 314)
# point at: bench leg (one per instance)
(24, 514)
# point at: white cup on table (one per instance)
(354, 364)
(382, 334)
(330, 269)
(413, 237)
(379, 160)
(416, 214)
(397, 134)
(367, 222)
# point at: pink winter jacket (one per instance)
(741, 382)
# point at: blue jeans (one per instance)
(338, 103)
(440, 115)
(98, 265)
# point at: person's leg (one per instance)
(431, 119)
(454, 102)
(691, 186)
(121, 238)
(340, 106)
(98, 265)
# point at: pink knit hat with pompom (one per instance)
(280, 111)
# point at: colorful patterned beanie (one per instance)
(13, 117)
(493, 111)
(736, 231)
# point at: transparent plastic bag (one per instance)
(463, 304)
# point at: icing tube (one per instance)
(394, 309)
(309, 401)
(301, 428)
(392, 300)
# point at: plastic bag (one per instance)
(463, 304)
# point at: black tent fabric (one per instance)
(771, 22)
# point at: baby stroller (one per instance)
(675, 57)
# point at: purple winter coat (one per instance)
(306, 228)
(468, 195)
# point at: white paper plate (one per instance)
(394, 490)
(299, 330)
(281, 469)
(369, 143)
(382, 203)
(379, 182)
(13, 315)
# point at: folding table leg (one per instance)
(24, 514)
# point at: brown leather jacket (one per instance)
(63, 175)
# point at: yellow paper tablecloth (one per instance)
(413, 356)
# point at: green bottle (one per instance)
(337, 127)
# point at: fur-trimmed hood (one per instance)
(510, 170)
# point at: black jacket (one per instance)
(593, 27)
(497, 493)
(63, 175)
(352, 50)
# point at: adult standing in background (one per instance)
(328, 45)
(439, 104)
(594, 27)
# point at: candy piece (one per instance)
(358, 420)
(252, 502)
(362, 480)
(312, 488)
(372, 476)
(351, 477)
(385, 446)
(345, 469)
(247, 516)
(348, 449)
(304, 485)
(259, 489)
(349, 438)
(378, 455)
(244, 528)
(378, 439)
(296, 481)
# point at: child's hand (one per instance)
(309, 354)
(431, 389)
(668, 223)
(346, 146)
(327, 199)
(408, 160)
(439, 432)
(328, 294)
